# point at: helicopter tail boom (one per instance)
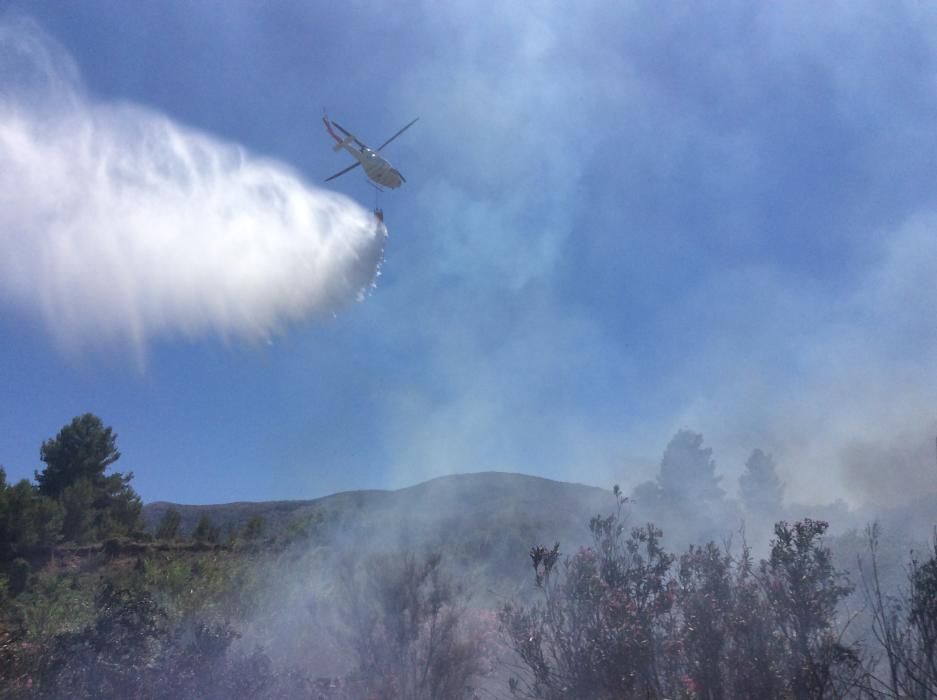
(344, 142)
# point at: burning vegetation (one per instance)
(92, 605)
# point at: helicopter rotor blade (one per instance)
(397, 134)
(342, 172)
(347, 133)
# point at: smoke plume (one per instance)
(119, 225)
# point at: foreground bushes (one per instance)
(625, 619)
(621, 619)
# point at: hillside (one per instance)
(300, 609)
(484, 522)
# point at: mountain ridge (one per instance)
(485, 522)
(154, 510)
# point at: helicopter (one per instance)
(376, 166)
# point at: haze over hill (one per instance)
(338, 590)
(485, 522)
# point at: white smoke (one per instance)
(117, 224)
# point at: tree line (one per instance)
(621, 618)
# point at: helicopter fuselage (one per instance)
(376, 167)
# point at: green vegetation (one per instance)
(92, 606)
(169, 526)
(73, 500)
(206, 531)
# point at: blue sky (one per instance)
(619, 220)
